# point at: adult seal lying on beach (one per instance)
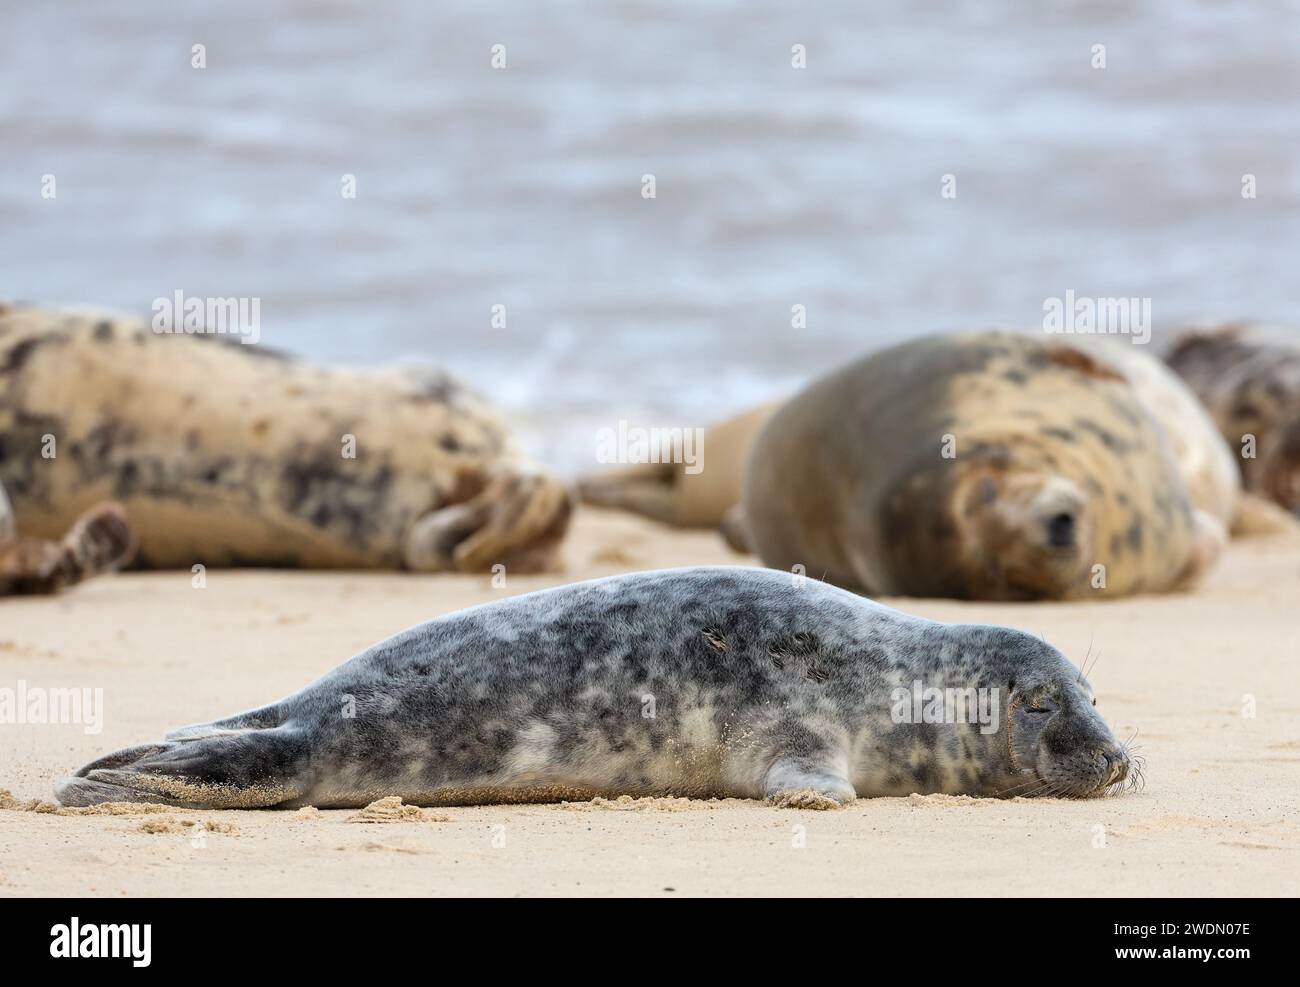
(701, 682)
(99, 541)
(712, 497)
(1248, 377)
(976, 465)
(231, 454)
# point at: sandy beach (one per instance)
(1217, 816)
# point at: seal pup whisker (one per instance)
(1093, 667)
(1083, 664)
(1007, 792)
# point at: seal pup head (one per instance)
(994, 712)
(1057, 742)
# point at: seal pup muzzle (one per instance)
(702, 682)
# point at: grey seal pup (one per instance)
(709, 681)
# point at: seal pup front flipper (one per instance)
(802, 782)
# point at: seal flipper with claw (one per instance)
(808, 771)
(517, 520)
(807, 783)
(100, 541)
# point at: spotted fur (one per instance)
(1248, 377)
(231, 454)
(849, 479)
(698, 682)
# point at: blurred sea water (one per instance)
(521, 186)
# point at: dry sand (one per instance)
(1218, 816)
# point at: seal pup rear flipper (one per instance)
(228, 769)
(262, 718)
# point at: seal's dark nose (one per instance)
(1060, 530)
(1116, 764)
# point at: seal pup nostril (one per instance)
(1060, 530)
(1116, 766)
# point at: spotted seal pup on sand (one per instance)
(231, 454)
(1248, 376)
(99, 541)
(704, 682)
(976, 465)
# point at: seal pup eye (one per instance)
(1094, 700)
